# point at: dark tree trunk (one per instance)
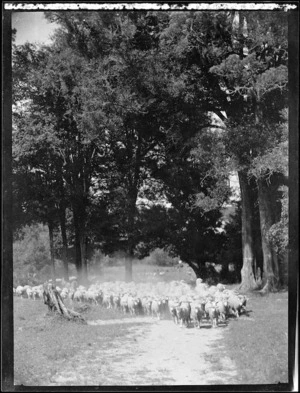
(78, 236)
(268, 213)
(131, 236)
(198, 269)
(55, 303)
(62, 216)
(51, 239)
(128, 267)
(133, 187)
(247, 272)
(84, 254)
(283, 269)
(130, 248)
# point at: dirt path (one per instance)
(156, 353)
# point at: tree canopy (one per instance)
(125, 107)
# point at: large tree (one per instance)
(47, 90)
(235, 65)
(256, 79)
(36, 188)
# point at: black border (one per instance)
(6, 211)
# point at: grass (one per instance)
(44, 341)
(258, 343)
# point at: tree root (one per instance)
(54, 302)
(270, 286)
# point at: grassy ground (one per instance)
(258, 343)
(43, 341)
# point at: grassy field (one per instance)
(258, 343)
(44, 341)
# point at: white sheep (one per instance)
(184, 313)
(29, 292)
(223, 309)
(197, 312)
(124, 302)
(235, 305)
(20, 291)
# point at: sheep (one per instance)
(124, 303)
(202, 290)
(235, 305)
(107, 300)
(173, 304)
(92, 296)
(185, 305)
(79, 294)
(116, 301)
(221, 287)
(36, 292)
(184, 313)
(146, 305)
(156, 308)
(64, 293)
(230, 292)
(197, 312)
(164, 305)
(29, 292)
(212, 290)
(20, 291)
(134, 305)
(222, 308)
(214, 316)
(71, 294)
(211, 312)
(244, 300)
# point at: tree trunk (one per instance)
(198, 269)
(84, 254)
(133, 187)
(55, 303)
(283, 269)
(128, 267)
(62, 216)
(131, 237)
(267, 212)
(51, 238)
(247, 272)
(78, 255)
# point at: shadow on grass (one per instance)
(207, 326)
(245, 313)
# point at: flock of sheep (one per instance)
(186, 305)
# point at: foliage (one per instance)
(278, 233)
(31, 254)
(121, 108)
(274, 160)
(160, 257)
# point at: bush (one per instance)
(31, 254)
(160, 257)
